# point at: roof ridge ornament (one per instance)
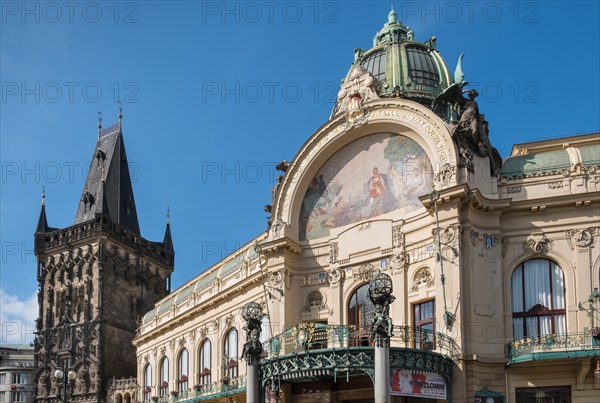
(120, 115)
(43, 196)
(99, 124)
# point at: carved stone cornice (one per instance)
(80, 234)
(279, 245)
(458, 193)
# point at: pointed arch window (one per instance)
(183, 368)
(538, 299)
(205, 363)
(231, 353)
(148, 382)
(164, 377)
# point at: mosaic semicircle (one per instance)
(369, 177)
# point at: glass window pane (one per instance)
(518, 328)
(559, 324)
(537, 283)
(545, 325)
(517, 290)
(558, 287)
(532, 326)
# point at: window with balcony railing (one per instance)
(183, 370)
(360, 314)
(204, 376)
(538, 299)
(164, 377)
(230, 348)
(147, 391)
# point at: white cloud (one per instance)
(17, 318)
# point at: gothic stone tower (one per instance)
(96, 280)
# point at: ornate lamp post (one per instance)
(252, 314)
(380, 294)
(65, 374)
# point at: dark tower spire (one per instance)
(108, 186)
(42, 225)
(168, 241)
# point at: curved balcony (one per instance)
(224, 387)
(313, 350)
(554, 346)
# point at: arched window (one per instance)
(360, 308)
(183, 366)
(119, 398)
(148, 382)
(538, 299)
(360, 312)
(231, 353)
(164, 377)
(204, 360)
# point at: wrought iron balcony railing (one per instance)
(554, 346)
(223, 387)
(314, 336)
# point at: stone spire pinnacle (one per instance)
(42, 225)
(167, 240)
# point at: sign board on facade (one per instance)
(405, 382)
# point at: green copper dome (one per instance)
(404, 67)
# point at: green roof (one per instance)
(590, 155)
(546, 163)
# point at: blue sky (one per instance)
(215, 94)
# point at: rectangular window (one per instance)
(2, 380)
(424, 322)
(18, 396)
(560, 394)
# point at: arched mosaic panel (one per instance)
(371, 176)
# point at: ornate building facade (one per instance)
(96, 279)
(494, 264)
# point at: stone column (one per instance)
(252, 314)
(380, 294)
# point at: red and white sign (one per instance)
(406, 382)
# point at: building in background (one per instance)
(96, 279)
(494, 263)
(16, 373)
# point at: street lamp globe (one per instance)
(72, 375)
(380, 288)
(252, 311)
(59, 374)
